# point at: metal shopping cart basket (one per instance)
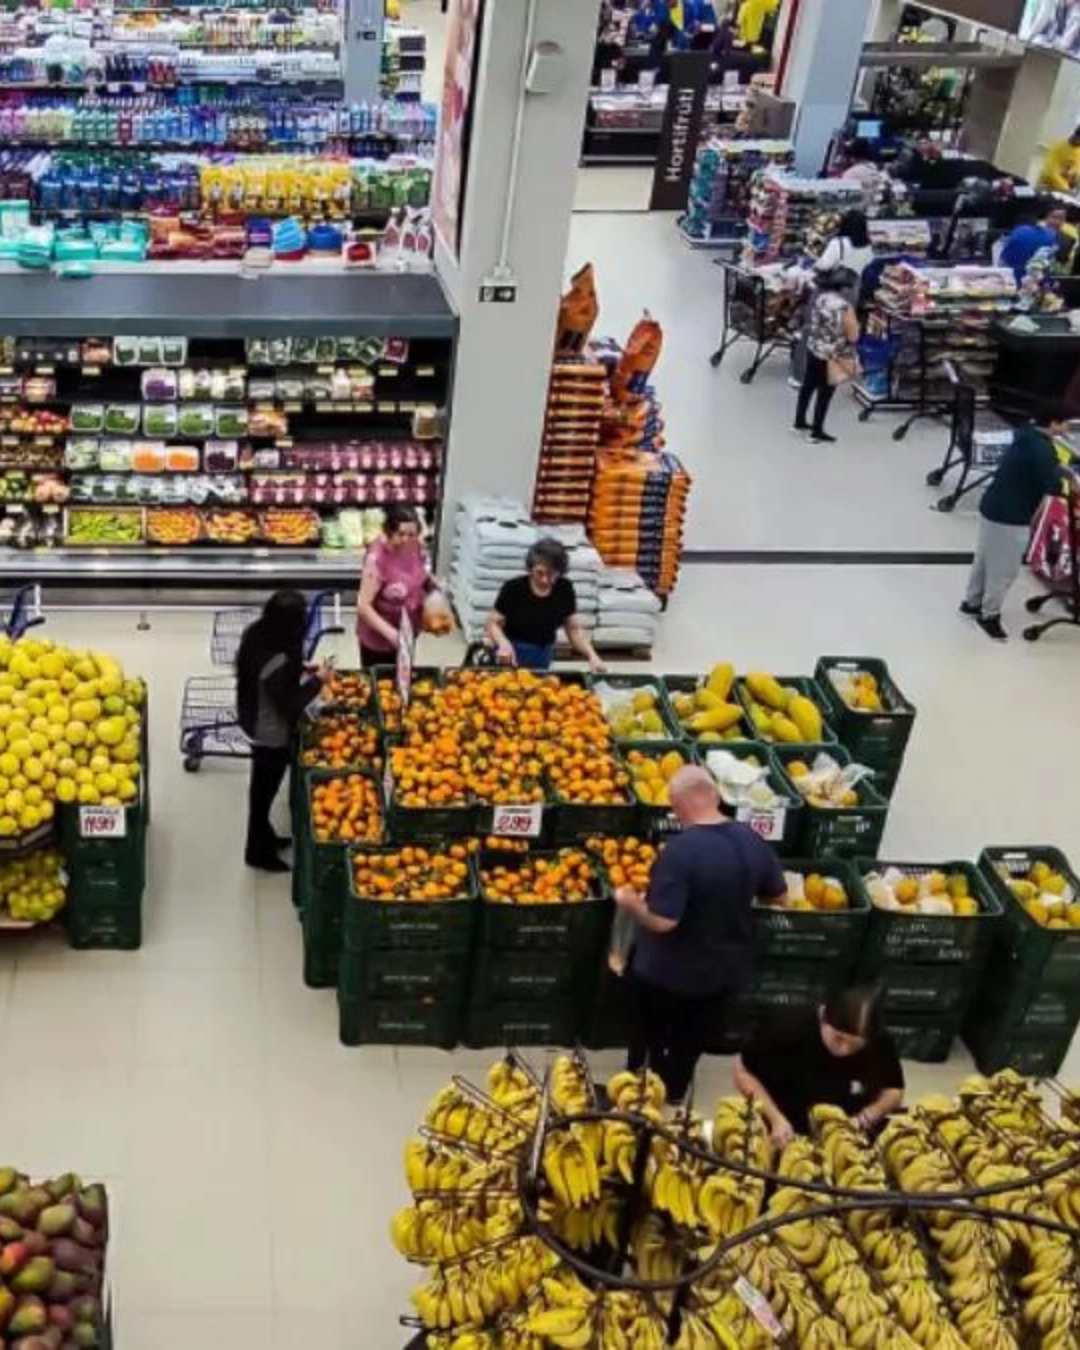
(323, 620)
(209, 722)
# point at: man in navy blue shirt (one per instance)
(695, 939)
(1029, 237)
(1028, 472)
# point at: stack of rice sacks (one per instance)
(628, 613)
(492, 536)
(640, 491)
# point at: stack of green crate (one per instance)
(802, 954)
(876, 738)
(835, 831)
(107, 875)
(1028, 1005)
(928, 966)
(535, 967)
(319, 886)
(404, 968)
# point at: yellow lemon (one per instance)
(76, 732)
(34, 770)
(38, 742)
(13, 802)
(21, 749)
(8, 825)
(127, 791)
(66, 791)
(34, 796)
(106, 784)
(89, 795)
(111, 731)
(8, 764)
(84, 776)
(30, 818)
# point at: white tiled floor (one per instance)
(254, 1163)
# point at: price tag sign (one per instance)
(102, 822)
(518, 822)
(767, 821)
(406, 640)
(607, 79)
(646, 81)
(388, 781)
(759, 1307)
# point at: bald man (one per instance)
(695, 939)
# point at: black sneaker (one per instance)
(822, 438)
(970, 611)
(991, 626)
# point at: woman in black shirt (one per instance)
(272, 691)
(531, 609)
(836, 1054)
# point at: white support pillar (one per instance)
(505, 349)
(1045, 107)
(821, 71)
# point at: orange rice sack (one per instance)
(577, 313)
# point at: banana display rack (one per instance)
(549, 1211)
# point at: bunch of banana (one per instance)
(727, 1310)
(566, 1315)
(618, 1150)
(988, 1326)
(571, 1092)
(436, 1231)
(896, 1255)
(728, 1203)
(583, 1229)
(702, 1331)
(923, 1314)
(799, 1161)
(673, 1185)
(849, 1161)
(641, 1094)
(512, 1089)
(472, 1292)
(741, 1133)
(455, 1115)
(432, 1167)
(658, 1254)
(571, 1169)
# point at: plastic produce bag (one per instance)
(437, 617)
(621, 942)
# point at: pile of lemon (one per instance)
(70, 728)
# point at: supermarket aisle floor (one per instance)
(253, 1162)
(758, 486)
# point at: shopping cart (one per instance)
(25, 611)
(1061, 565)
(323, 620)
(209, 722)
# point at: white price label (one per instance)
(607, 78)
(406, 639)
(766, 821)
(388, 780)
(102, 822)
(518, 822)
(646, 81)
(759, 1307)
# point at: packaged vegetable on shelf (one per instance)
(825, 783)
(290, 528)
(159, 419)
(122, 419)
(159, 385)
(90, 525)
(231, 527)
(173, 527)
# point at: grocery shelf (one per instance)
(192, 304)
(143, 568)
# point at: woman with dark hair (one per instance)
(530, 610)
(395, 580)
(272, 691)
(837, 1054)
(849, 247)
(831, 358)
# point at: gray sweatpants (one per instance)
(999, 555)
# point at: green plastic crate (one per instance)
(833, 936)
(690, 684)
(1046, 955)
(402, 975)
(438, 925)
(928, 1040)
(106, 879)
(936, 988)
(580, 926)
(409, 1021)
(782, 825)
(573, 822)
(801, 684)
(655, 820)
(550, 1021)
(779, 986)
(1024, 1008)
(507, 976)
(631, 684)
(840, 831)
(876, 739)
(106, 928)
(1035, 1055)
(610, 1022)
(918, 938)
(430, 824)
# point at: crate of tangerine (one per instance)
(543, 901)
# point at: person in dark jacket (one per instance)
(272, 691)
(694, 944)
(1028, 472)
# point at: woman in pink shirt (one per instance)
(395, 581)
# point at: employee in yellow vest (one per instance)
(1060, 170)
